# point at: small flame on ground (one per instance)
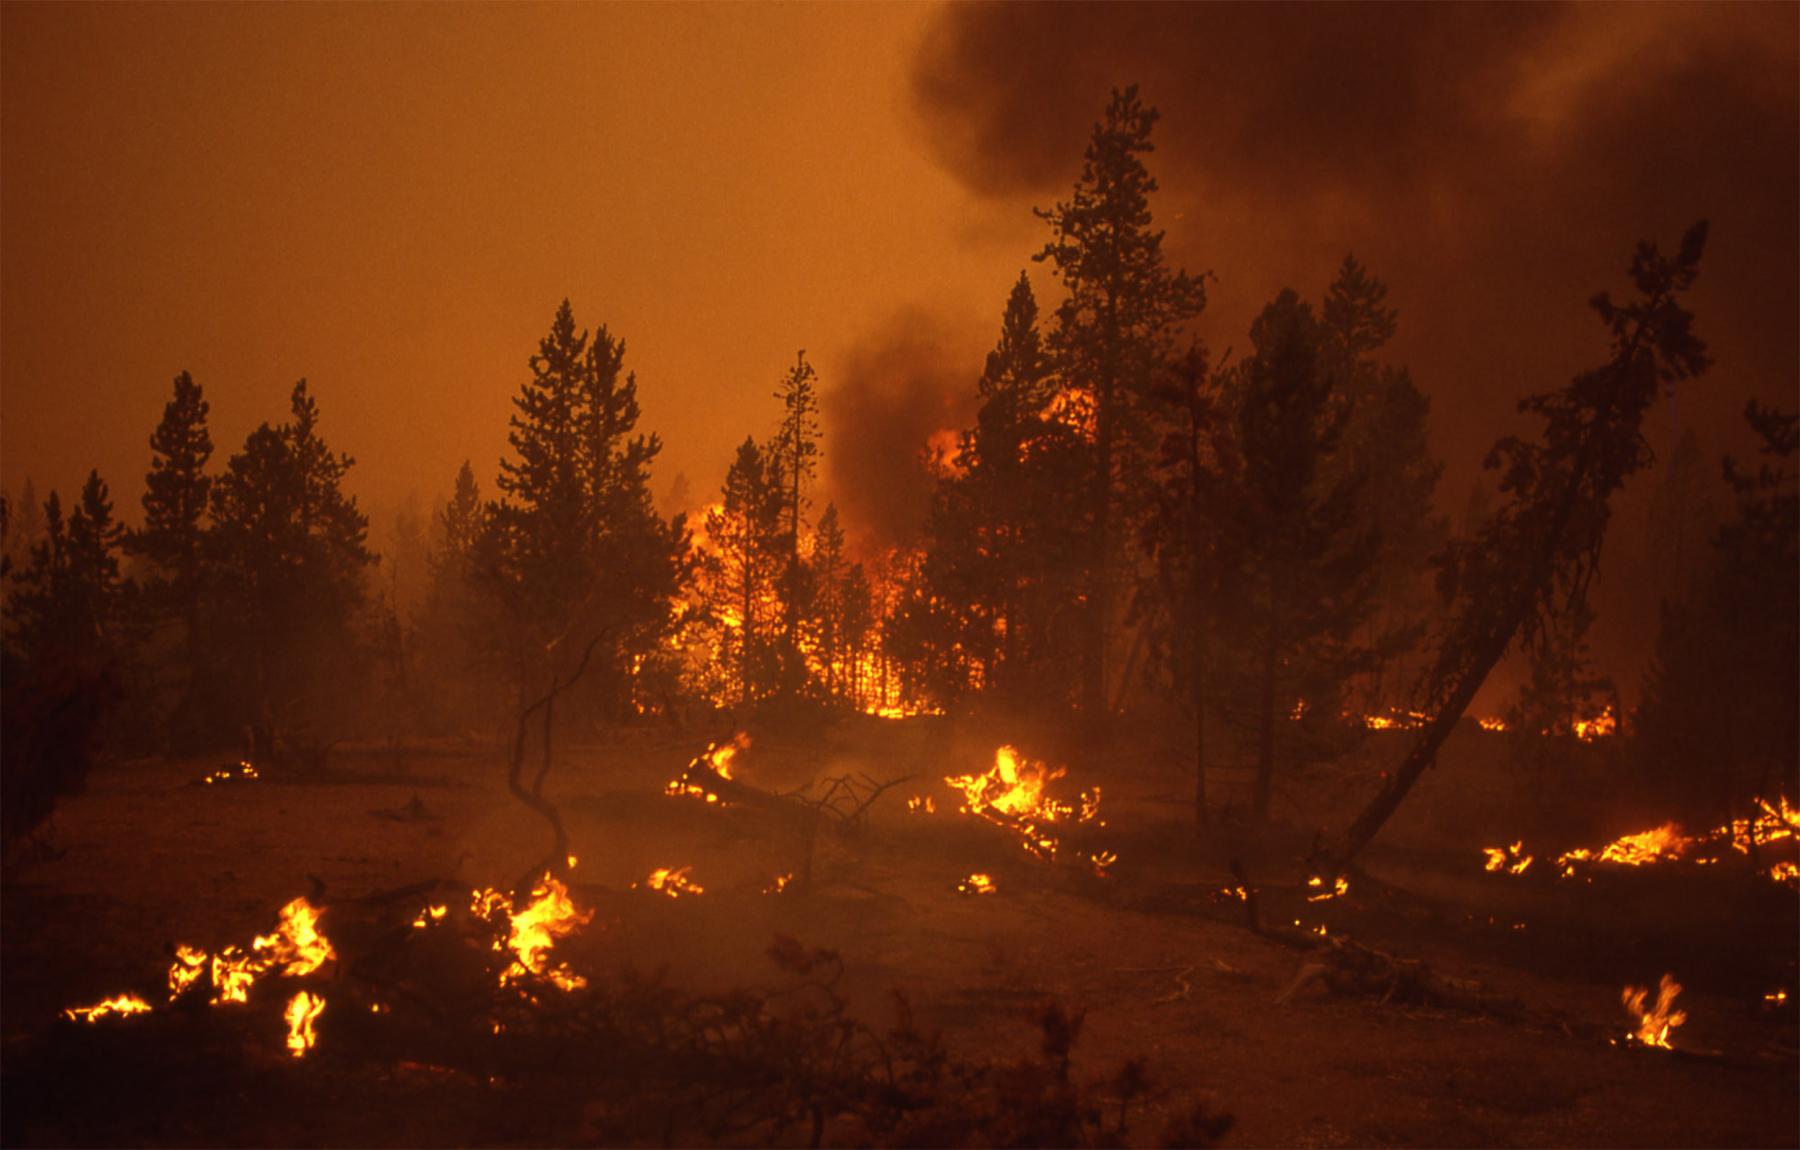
(711, 765)
(189, 965)
(549, 914)
(117, 1004)
(1776, 997)
(302, 1011)
(1011, 794)
(1240, 893)
(921, 805)
(431, 914)
(1492, 723)
(1319, 892)
(1654, 1023)
(1507, 859)
(976, 884)
(780, 884)
(672, 882)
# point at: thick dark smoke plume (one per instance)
(895, 388)
(1494, 163)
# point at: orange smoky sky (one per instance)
(390, 200)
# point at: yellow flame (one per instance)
(780, 884)
(302, 1011)
(921, 805)
(117, 1004)
(1322, 893)
(672, 882)
(549, 914)
(1598, 727)
(1655, 1023)
(189, 965)
(296, 946)
(433, 913)
(1655, 845)
(1507, 859)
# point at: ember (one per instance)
(241, 771)
(1507, 859)
(1317, 891)
(976, 884)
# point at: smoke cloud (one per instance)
(896, 387)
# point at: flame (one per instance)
(302, 1010)
(1654, 1024)
(672, 882)
(924, 805)
(1396, 720)
(1011, 794)
(117, 1004)
(976, 884)
(780, 884)
(1664, 842)
(1599, 727)
(549, 914)
(296, 946)
(711, 765)
(1101, 860)
(1776, 997)
(1320, 893)
(189, 965)
(431, 914)
(1507, 859)
(1239, 892)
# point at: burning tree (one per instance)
(1538, 553)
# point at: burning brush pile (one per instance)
(1013, 795)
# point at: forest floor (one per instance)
(1163, 967)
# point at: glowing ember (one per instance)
(1786, 872)
(1395, 720)
(921, 805)
(780, 884)
(243, 771)
(1599, 727)
(549, 914)
(1776, 997)
(1491, 723)
(431, 914)
(1655, 1023)
(1317, 891)
(118, 1004)
(976, 884)
(1507, 859)
(1101, 860)
(707, 769)
(1240, 893)
(302, 1011)
(672, 882)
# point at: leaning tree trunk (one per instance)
(1600, 464)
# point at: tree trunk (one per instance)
(1265, 730)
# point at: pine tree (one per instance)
(291, 552)
(175, 498)
(743, 566)
(1305, 557)
(1118, 322)
(793, 461)
(829, 568)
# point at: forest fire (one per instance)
(971, 401)
(1654, 1022)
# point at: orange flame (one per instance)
(1507, 859)
(976, 884)
(1321, 893)
(1655, 1023)
(672, 882)
(550, 914)
(118, 1004)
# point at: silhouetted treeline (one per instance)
(1236, 545)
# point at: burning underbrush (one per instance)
(471, 998)
(1765, 840)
